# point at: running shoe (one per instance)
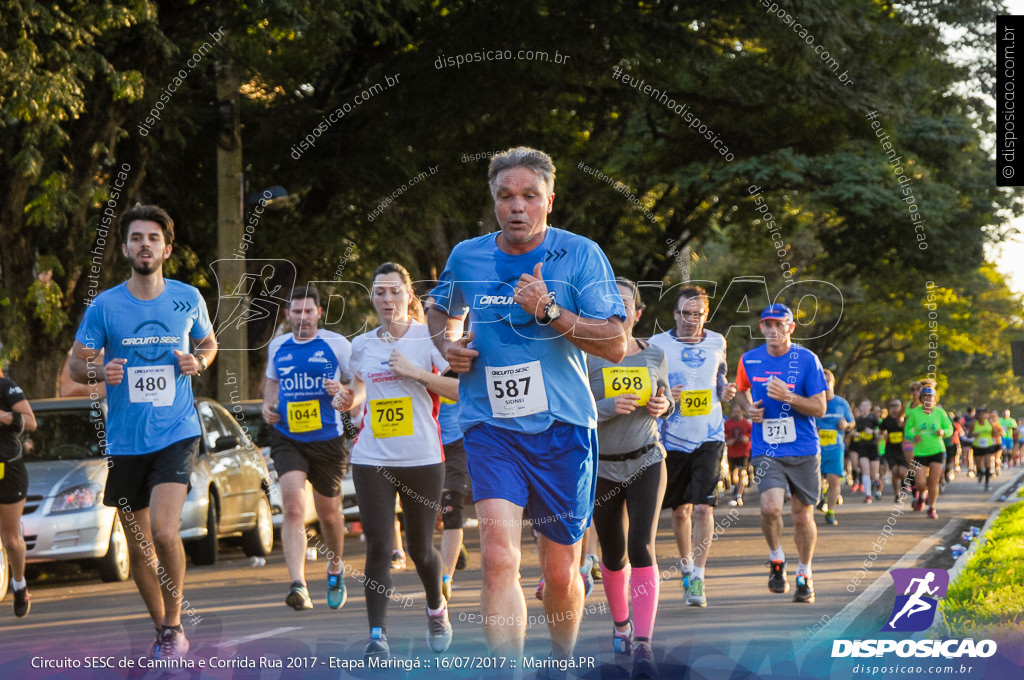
(463, 560)
(932, 514)
(439, 631)
(587, 575)
(377, 647)
(398, 560)
(804, 589)
(595, 570)
(170, 643)
(687, 575)
(446, 587)
(869, 499)
(22, 602)
(643, 662)
(622, 642)
(777, 581)
(830, 517)
(918, 503)
(878, 494)
(539, 593)
(695, 596)
(821, 504)
(298, 597)
(738, 501)
(337, 596)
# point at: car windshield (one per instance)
(64, 435)
(256, 427)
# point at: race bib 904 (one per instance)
(151, 384)
(304, 416)
(695, 403)
(391, 417)
(627, 380)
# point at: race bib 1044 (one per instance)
(516, 390)
(304, 416)
(151, 384)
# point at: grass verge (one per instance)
(985, 601)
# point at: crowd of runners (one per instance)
(515, 384)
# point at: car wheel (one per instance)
(5, 573)
(115, 565)
(204, 551)
(259, 541)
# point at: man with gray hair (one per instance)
(536, 299)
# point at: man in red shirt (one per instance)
(737, 442)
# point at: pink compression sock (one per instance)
(615, 583)
(645, 584)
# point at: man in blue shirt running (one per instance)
(536, 298)
(142, 329)
(782, 387)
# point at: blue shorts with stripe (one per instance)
(552, 474)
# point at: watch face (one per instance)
(554, 311)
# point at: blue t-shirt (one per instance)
(527, 376)
(448, 419)
(784, 430)
(153, 407)
(300, 368)
(836, 409)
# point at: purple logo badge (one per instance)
(917, 594)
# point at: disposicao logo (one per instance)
(915, 609)
(917, 599)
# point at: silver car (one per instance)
(64, 516)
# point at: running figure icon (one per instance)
(915, 604)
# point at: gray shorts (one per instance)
(800, 474)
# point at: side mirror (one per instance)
(225, 442)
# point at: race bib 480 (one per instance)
(151, 384)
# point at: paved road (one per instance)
(745, 632)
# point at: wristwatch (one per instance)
(551, 312)
(202, 362)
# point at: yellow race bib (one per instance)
(695, 403)
(895, 437)
(627, 380)
(304, 416)
(828, 437)
(1, 470)
(391, 417)
(867, 436)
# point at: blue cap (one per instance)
(928, 390)
(777, 311)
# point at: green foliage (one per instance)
(984, 601)
(77, 79)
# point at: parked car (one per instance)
(250, 415)
(65, 518)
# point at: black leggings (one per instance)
(641, 500)
(419, 489)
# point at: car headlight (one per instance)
(79, 497)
